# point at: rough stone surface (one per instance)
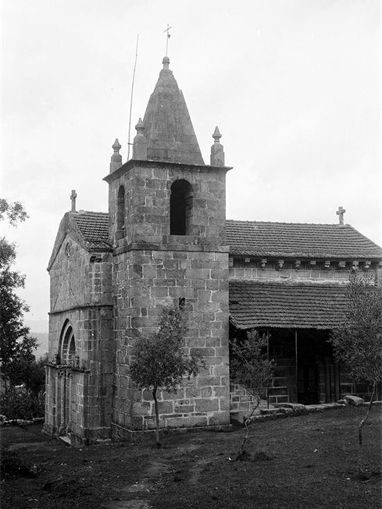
(353, 400)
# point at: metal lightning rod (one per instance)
(131, 98)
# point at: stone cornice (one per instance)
(137, 163)
(80, 307)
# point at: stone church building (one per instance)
(166, 240)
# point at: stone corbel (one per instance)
(280, 264)
(327, 264)
(297, 264)
(263, 263)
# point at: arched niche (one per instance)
(181, 202)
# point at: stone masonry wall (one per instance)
(81, 295)
(147, 205)
(145, 283)
(153, 269)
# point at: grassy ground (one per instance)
(303, 462)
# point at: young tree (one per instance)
(358, 341)
(159, 362)
(16, 345)
(251, 368)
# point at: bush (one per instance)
(21, 403)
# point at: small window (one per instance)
(180, 208)
(121, 208)
(68, 345)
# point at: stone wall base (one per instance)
(88, 435)
(124, 434)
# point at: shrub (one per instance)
(21, 403)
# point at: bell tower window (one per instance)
(180, 208)
(121, 212)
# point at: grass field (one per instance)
(301, 462)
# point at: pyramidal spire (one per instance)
(167, 123)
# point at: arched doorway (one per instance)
(66, 392)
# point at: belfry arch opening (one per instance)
(121, 209)
(67, 345)
(180, 208)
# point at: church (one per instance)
(166, 241)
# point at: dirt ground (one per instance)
(297, 462)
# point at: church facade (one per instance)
(166, 241)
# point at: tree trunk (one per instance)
(361, 425)
(156, 418)
(247, 422)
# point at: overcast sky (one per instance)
(292, 84)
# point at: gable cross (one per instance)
(73, 197)
(168, 35)
(340, 213)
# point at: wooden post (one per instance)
(296, 359)
(268, 360)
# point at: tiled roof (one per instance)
(254, 304)
(254, 238)
(94, 228)
(299, 240)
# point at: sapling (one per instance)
(251, 368)
(159, 361)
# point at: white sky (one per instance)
(292, 84)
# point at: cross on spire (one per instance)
(73, 197)
(168, 35)
(340, 213)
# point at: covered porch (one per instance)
(298, 319)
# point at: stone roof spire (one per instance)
(167, 123)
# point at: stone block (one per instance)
(184, 409)
(206, 405)
(204, 381)
(165, 407)
(142, 408)
(206, 392)
(353, 400)
(188, 421)
(219, 418)
(192, 392)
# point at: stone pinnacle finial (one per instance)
(140, 127)
(116, 158)
(73, 197)
(340, 213)
(116, 145)
(140, 142)
(217, 151)
(166, 63)
(216, 136)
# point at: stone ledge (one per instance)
(129, 434)
(20, 422)
(282, 410)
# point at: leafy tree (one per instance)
(251, 368)
(159, 362)
(358, 341)
(16, 345)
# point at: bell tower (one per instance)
(167, 227)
